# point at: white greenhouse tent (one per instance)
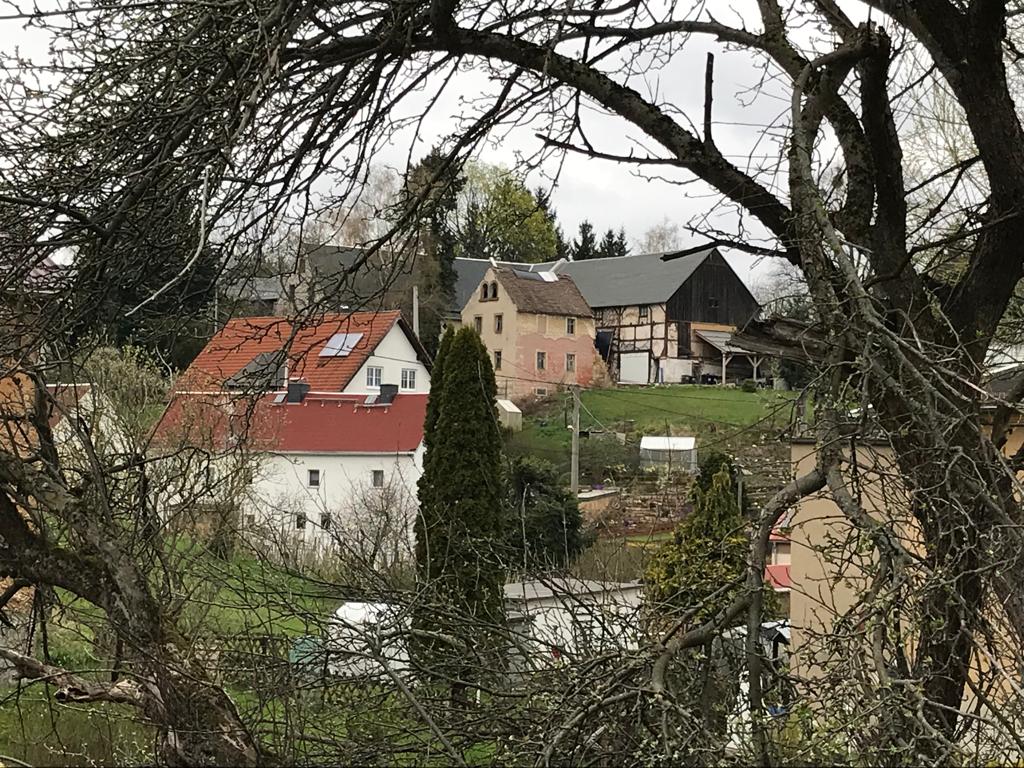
(368, 640)
(667, 452)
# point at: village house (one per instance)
(662, 318)
(538, 329)
(333, 278)
(659, 317)
(828, 570)
(315, 432)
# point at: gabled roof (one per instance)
(319, 424)
(381, 272)
(546, 294)
(65, 399)
(247, 339)
(627, 280)
(648, 278)
(469, 273)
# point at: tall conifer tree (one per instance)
(459, 531)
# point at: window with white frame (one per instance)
(408, 378)
(478, 324)
(313, 478)
(570, 362)
(498, 323)
(570, 326)
(300, 521)
(373, 376)
(377, 478)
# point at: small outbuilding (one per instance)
(509, 415)
(571, 617)
(669, 452)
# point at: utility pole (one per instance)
(574, 483)
(416, 311)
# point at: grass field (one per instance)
(716, 416)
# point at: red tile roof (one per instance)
(64, 399)
(319, 424)
(778, 576)
(243, 339)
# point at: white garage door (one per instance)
(635, 368)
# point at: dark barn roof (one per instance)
(627, 280)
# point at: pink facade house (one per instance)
(538, 328)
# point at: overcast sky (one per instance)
(610, 194)
(615, 195)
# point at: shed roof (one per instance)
(1001, 383)
(722, 341)
(779, 577)
(667, 443)
(540, 590)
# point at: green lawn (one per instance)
(37, 731)
(715, 415)
(698, 410)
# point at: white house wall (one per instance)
(359, 513)
(394, 353)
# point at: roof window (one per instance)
(340, 344)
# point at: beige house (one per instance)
(831, 568)
(538, 329)
(660, 317)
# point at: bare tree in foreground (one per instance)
(203, 124)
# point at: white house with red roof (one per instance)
(327, 419)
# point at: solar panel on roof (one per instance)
(266, 370)
(340, 344)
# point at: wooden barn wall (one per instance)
(714, 279)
